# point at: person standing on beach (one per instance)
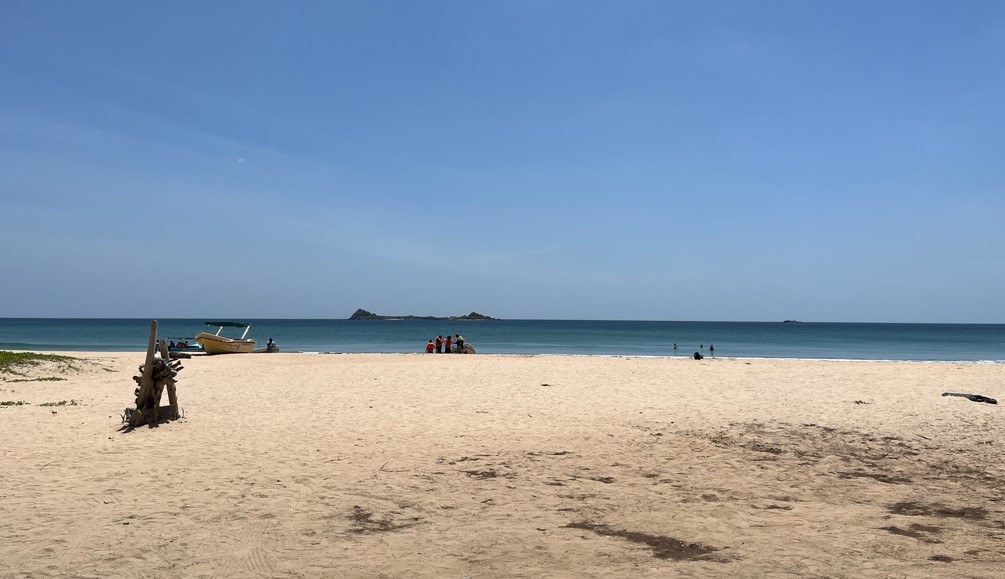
(439, 344)
(446, 344)
(460, 341)
(429, 347)
(711, 349)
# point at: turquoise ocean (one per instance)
(805, 340)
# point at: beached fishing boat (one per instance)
(215, 343)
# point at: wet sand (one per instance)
(296, 465)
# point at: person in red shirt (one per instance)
(446, 344)
(439, 344)
(429, 347)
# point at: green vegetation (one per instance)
(72, 402)
(49, 379)
(10, 360)
(15, 362)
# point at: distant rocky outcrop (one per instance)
(362, 314)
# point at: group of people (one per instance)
(180, 344)
(443, 345)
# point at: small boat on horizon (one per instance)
(215, 343)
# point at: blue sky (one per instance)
(825, 161)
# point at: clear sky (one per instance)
(665, 160)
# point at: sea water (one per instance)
(806, 340)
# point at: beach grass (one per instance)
(17, 362)
(71, 402)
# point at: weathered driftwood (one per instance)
(135, 417)
(147, 370)
(973, 397)
(167, 376)
(156, 375)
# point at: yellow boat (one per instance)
(217, 344)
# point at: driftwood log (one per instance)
(157, 374)
(973, 397)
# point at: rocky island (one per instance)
(362, 314)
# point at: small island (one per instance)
(362, 314)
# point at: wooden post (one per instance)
(173, 400)
(146, 379)
(159, 385)
(172, 392)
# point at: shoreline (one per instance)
(988, 362)
(671, 357)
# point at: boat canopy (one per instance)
(227, 324)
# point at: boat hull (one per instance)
(214, 344)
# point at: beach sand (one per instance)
(296, 465)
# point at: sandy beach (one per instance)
(296, 465)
